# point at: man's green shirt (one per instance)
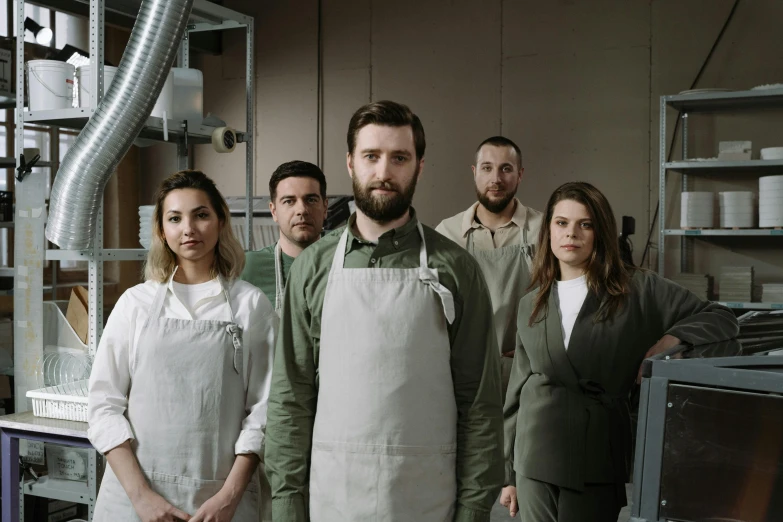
(260, 270)
(475, 367)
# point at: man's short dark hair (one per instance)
(296, 169)
(501, 141)
(390, 114)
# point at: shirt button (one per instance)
(372, 260)
(396, 243)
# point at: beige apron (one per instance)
(279, 286)
(185, 407)
(507, 273)
(384, 439)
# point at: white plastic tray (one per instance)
(47, 402)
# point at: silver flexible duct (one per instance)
(78, 187)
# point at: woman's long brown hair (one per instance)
(607, 275)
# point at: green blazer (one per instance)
(566, 413)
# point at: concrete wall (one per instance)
(575, 83)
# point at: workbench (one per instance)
(62, 432)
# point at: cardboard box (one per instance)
(6, 64)
(6, 343)
(5, 387)
(78, 314)
(65, 514)
(735, 150)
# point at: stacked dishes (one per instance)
(736, 283)
(696, 209)
(736, 209)
(772, 153)
(699, 284)
(67, 373)
(145, 225)
(771, 201)
(772, 293)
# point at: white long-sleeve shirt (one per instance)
(112, 372)
(571, 296)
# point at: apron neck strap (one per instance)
(160, 296)
(224, 288)
(338, 261)
(423, 249)
(278, 277)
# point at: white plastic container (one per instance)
(182, 97)
(58, 334)
(83, 75)
(47, 402)
(50, 84)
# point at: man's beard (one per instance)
(495, 206)
(384, 208)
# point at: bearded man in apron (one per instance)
(386, 400)
(501, 233)
(297, 190)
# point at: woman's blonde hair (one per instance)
(161, 260)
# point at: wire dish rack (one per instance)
(63, 372)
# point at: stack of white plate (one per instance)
(772, 153)
(696, 209)
(772, 293)
(699, 284)
(736, 284)
(771, 201)
(736, 209)
(145, 225)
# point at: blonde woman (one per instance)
(179, 387)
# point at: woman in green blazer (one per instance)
(582, 335)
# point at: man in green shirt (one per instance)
(297, 190)
(385, 402)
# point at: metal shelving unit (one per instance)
(743, 232)
(717, 166)
(704, 102)
(155, 129)
(30, 248)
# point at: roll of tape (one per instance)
(224, 139)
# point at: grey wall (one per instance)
(575, 83)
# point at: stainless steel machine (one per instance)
(709, 442)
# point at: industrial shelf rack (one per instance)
(704, 102)
(30, 251)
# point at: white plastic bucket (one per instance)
(83, 75)
(182, 96)
(50, 84)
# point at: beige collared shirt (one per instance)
(524, 220)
